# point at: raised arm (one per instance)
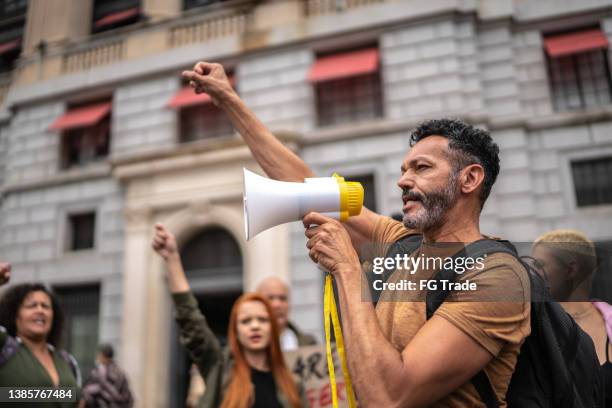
(5, 273)
(5, 276)
(278, 161)
(201, 343)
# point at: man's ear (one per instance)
(472, 177)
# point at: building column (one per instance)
(56, 21)
(136, 302)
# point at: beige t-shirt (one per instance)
(496, 315)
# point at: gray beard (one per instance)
(434, 207)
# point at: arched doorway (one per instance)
(213, 265)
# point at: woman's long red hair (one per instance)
(236, 394)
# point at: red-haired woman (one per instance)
(252, 371)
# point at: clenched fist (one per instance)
(5, 272)
(210, 78)
(164, 242)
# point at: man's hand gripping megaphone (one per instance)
(329, 244)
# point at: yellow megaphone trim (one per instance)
(351, 197)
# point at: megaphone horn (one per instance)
(268, 203)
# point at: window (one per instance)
(347, 87)
(369, 190)
(579, 71)
(213, 252)
(204, 122)
(83, 146)
(81, 231)
(592, 181)
(199, 118)
(85, 134)
(110, 14)
(81, 306)
(12, 23)
(347, 100)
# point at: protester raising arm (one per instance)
(251, 371)
(5, 276)
(196, 336)
(278, 161)
(5, 272)
(164, 243)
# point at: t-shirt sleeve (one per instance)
(498, 311)
(386, 232)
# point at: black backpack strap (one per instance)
(473, 250)
(406, 245)
(435, 298)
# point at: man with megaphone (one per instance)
(397, 357)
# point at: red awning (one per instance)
(82, 117)
(573, 43)
(117, 17)
(344, 65)
(10, 46)
(187, 97)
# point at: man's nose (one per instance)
(406, 181)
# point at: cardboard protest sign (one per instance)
(310, 365)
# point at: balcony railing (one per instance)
(322, 7)
(219, 20)
(212, 26)
(93, 55)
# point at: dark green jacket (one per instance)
(22, 369)
(213, 361)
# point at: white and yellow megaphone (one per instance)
(268, 203)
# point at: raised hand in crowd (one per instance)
(164, 243)
(210, 78)
(5, 272)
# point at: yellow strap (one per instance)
(330, 308)
(328, 294)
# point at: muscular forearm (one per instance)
(375, 365)
(177, 281)
(278, 161)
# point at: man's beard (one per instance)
(434, 205)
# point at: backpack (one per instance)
(557, 365)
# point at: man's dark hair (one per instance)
(106, 350)
(467, 144)
(13, 299)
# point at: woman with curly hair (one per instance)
(31, 321)
(251, 373)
